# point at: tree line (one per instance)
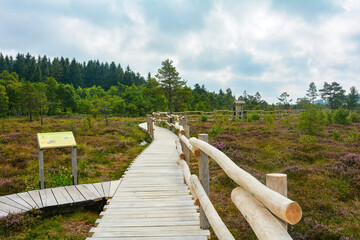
(37, 87)
(68, 71)
(47, 96)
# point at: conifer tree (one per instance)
(169, 81)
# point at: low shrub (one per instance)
(341, 116)
(308, 139)
(59, 177)
(254, 117)
(203, 118)
(336, 135)
(354, 117)
(13, 223)
(215, 130)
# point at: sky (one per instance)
(265, 46)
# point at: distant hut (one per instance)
(239, 108)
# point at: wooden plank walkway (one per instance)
(152, 201)
(57, 197)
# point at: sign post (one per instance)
(56, 140)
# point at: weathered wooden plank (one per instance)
(92, 189)
(100, 189)
(9, 208)
(11, 203)
(151, 238)
(137, 229)
(74, 193)
(48, 198)
(18, 200)
(88, 195)
(62, 196)
(125, 215)
(152, 233)
(106, 188)
(123, 223)
(35, 195)
(28, 199)
(113, 187)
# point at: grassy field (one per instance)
(323, 172)
(104, 153)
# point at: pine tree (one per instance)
(353, 98)
(169, 80)
(333, 93)
(312, 92)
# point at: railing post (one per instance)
(152, 128)
(173, 122)
(204, 179)
(147, 122)
(186, 149)
(278, 183)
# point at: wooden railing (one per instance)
(225, 114)
(266, 208)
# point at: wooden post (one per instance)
(278, 183)
(204, 179)
(151, 129)
(173, 122)
(74, 165)
(41, 168)
(186, 149)
(147, 123)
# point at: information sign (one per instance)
(56, 140)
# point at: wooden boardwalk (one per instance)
(57, 197)
(152, 201)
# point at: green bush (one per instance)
(341, 116)
(255, 116)
(270, 119)
(336, 135)
(59, 177)
(308, 139)
(354, 117)
(215, 130)
(309, 121)
(203, 118)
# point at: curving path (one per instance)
(152, 201)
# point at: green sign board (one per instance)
(56, 140)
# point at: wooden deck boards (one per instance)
(56, 197)
(152, 201)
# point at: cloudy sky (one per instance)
(269, 46)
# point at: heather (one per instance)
(104, 151)
(322, 163)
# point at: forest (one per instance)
(40, 86)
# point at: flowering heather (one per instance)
(218, 145)
(4, 181)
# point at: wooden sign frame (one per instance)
(56, 140)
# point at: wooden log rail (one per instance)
(264, 207)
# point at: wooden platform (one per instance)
(152, 201)
(57, 197)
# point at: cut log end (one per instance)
(197, 152)
(293, 213)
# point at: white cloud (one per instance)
(283, 48)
